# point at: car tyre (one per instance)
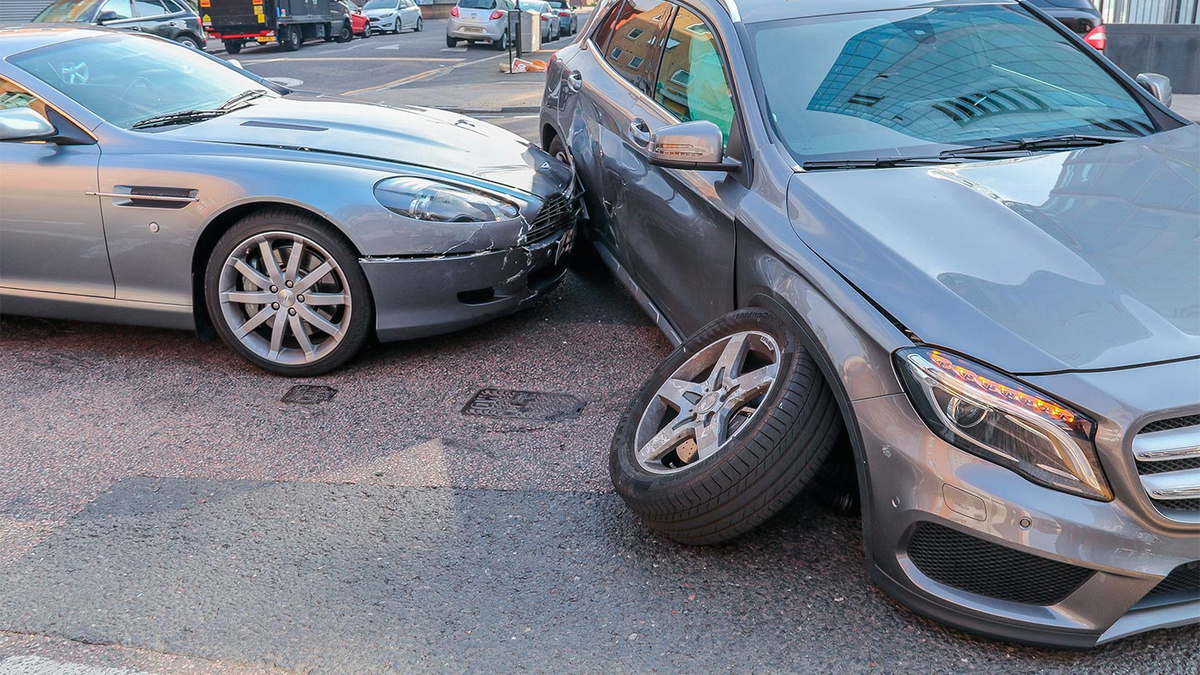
(501, 45)
(733, 476)
(291, 39)
(233, 47)
(345, 34)
(584, 258)
(366, 32)
(451, 42)
(295, 335)
(420, 25)
(188, 41)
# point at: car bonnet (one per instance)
(1082, 260)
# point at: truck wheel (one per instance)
(727, 430)
(233, 47)
(291, 38)
(346, 34)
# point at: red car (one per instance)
(359, 23)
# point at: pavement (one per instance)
(163, 511)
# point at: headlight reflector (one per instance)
(426, 199)
(992, 416)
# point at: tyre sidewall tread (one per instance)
(759, 472)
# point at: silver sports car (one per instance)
(145, 183)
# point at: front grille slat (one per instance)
(554, 215)
(1167, 455)
(965, 562)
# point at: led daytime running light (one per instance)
(1008, 393)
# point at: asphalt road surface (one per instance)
(162, 510)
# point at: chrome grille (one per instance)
(1168, 460)
(555, 214)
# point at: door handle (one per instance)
(574, 80)
(137, 28)
(639, 132)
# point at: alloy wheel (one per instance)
(705, 401)
(285, 298)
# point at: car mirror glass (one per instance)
(1159, 86)
(24, 124)
(106, 16)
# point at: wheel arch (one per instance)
(548, 134)
(764, 280)
(207, 239)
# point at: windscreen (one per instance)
(913, 81)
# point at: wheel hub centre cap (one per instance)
(709, 402)
(287, 298)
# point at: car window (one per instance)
(13, 96)
(691, 81)
(921, 80)
(635, 27)
(174, 7)
(121, 8)
(150, 8)
(66, 11)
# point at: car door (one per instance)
(153, 18)
(51, 233)
(119, 14)
(677, 226)
(411, 12)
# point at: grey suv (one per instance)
(950, 233)
(171, 19)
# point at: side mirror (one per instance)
(697, 146)
(106, 16)
(24, 124)
(1159, 86)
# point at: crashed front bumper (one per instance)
(420, 296)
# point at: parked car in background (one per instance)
(393, 16)
(286, 22)
(486, 21)
(1080, 16)
(360, 24)
(551, 26)
(566, 15)
(171, 19)
(958, 239)
(149, 184)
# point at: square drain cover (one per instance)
(308, 394)
(523, 405)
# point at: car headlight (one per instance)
(426, 199)
(992, 416)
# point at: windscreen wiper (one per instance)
(181, 117)
(876, 163)
(188, 116)
(1047, 143)
(244, 96)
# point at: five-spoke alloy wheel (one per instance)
(287, 294)
(726, 431)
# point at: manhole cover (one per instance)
(523, 405)
(308, 394)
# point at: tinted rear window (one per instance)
(477, 4)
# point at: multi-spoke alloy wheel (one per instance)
(286, 294)
(706, 401)
(726, 431)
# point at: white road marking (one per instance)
(422, 76)
(460, 50)
(36, 665)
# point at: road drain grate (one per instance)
(523, 405)
(308, 394)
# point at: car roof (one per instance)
(754, 11)
(22, 38)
